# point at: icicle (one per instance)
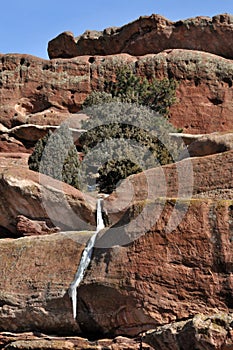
(100, 222)
(85, 259)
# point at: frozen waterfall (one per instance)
(86, 258)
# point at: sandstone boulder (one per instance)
(13, 159)
(27, 227)
(63, 46)
(22, 138)
(9, 144)
(150, 34)
(39, 197)
(200, 332)
(41, 92)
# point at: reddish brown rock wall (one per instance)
(208, 177)
(46, 92)
(162, 276)
(150, 34)
(35, 275)
(158, 278)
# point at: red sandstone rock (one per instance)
(150, 34)
(161, 276)
(141, 275)
(27, 227)
(155, 279)
(43, 342)
(9, 159)
(35, 275)
(208, 177)
(211, 144)
(44, 92)
(201, 332)
(39, 197)
(10, 144)
(63, 46)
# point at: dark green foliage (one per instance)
(159, 95)
(55, 155)
(98, 97)
(35, 157)
(115, 170)
(123, 139)
(128, 123)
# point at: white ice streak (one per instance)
(85, 259)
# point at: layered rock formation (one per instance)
(200, 177)
(200, 332)
(22, 138)
(44, 342)
(36, 91)
(158, 278)
(211, 144)
(150, 34)
(161, 276)
(168, 254)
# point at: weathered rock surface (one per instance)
(39, 197)
(158, 277)
(150, 34)
(199, 177)
(27, 227)
(63, 46)
(41, 92)
(161, 276)
(44, 342)
(201, 332)
(22, 138)
(211, 144)
(35, 276)
(13, 159)
(9, 144)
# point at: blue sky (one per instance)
(26, 26)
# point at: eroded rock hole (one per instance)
(216, 101)
(24, 62)
(91, 59)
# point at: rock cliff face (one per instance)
(168, 255)
(35, 276)
(157, 278)
(150, 34)
(199, 177)
(161, 276)
(36, 91)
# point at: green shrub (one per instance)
(98, 97)
(158, 94)
(123, 139)
(55, 155)
(114, 171)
